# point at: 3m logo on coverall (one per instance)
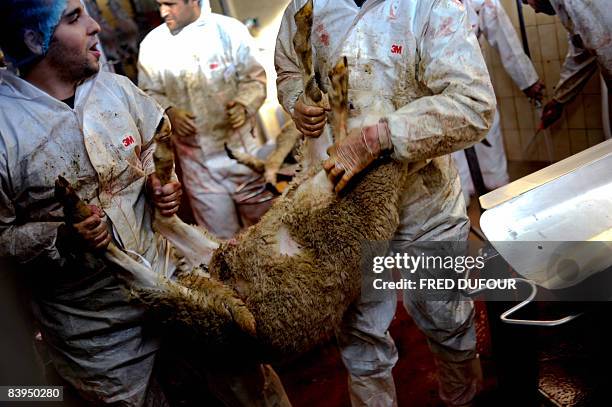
(396, 49)
(128, 141)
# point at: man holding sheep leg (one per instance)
(418, 90)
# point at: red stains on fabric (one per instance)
(322, 34)
(446, 28)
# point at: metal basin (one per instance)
(554, 227)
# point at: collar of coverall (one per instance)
(15, 87)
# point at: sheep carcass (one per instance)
(296, 271)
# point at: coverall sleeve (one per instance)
(499, 32)
(23, 242)
(289, 76)
(579, 66)
(460, 108)
(251, 74)
(149, 78)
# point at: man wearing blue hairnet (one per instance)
(62, 116)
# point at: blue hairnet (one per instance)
(48, 17)
(17, 16)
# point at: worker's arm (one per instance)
(501, 35)
(309, 120)
(289, 75)
(460, 109)
(48, 241)
(578, 67)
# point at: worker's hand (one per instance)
(166, 198)
(183, 124)
(355, 153)
(536, 91)
(551, 112)
(309, 120)
(236, 114)
(93, 231)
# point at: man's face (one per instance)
(178, 13)
(73, 48)
(541, 6)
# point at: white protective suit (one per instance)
(589, 25)
(208, 64)
(104, 147)
(417, 64)
(488, 18)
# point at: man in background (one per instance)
(488, 18)
(589, 27)
(202, 68)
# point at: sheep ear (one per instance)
(34, 41)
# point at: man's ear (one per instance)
(34, 41)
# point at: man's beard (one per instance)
(73, 67)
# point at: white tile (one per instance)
(548, 42)
(592, 111)
(578, 140)
(574, 112)
(524, 113)
(507, 113)
(533, 39)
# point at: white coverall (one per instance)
(489, 18)
(417, 64)
(589, 25)
(208, 64)
(104, 147)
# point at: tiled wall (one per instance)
(268, 14)
(581, 125)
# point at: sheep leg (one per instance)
(193, 243)
(339, 99)
(254, 163)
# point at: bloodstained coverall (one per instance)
(209, 63)
(417, 64)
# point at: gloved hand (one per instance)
(182, 121)
(356, 152)
(536, 91)
(309, 120)
(166, 198)
(551, 113)
(236, 114)
(93, 231)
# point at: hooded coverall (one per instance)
(208, 64)
(104, 146)
(417, 64)
(488, 17)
